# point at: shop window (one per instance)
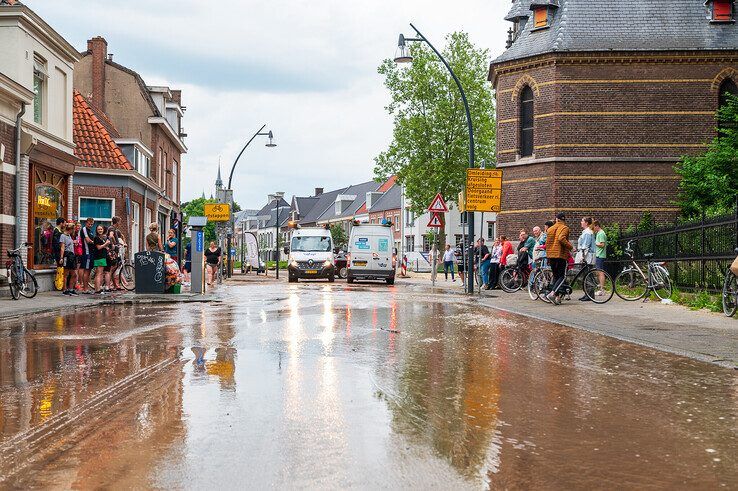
(101, 209)
(540, 18)
(49, 203)
(722, 10)
(527, 117)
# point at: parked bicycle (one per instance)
(596, 283)
(730, 292)
(633, 283)
(20, 280)
(513, 277)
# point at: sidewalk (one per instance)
(702, 335)
(46, 302)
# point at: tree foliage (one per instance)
(196, 208)
(710, 181)
(338, 234)
(430, 145)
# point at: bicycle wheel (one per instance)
(29, 287)
(91, 282)
(662, 282)
(538, 288)
(127, 277)
(630, 285)
(13, 284)
(730, 294)
(598, 293)
(511, 280)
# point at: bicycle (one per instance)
(632, 283)
(20, 280)
(125, 271)
(512, 278)
(542, 276)
(730, 293)
(598, 292)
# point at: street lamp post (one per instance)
(404, 56)
(271, 144)
(276, 240)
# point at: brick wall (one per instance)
(608, 130)
(392, 215)
(7, 187)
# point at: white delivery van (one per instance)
(370, 253)
(311, 255)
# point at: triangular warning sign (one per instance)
(438, 205)
(435, 221)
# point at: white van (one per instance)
(311, 255)
(370, 253)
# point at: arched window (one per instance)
(526, 122)
(728, 87)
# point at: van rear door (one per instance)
(361, 250)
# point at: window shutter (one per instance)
(722, 10)
(540, 17)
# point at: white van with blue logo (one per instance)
(370, 253)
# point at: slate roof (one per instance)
(93, 139)
(390, 200)
(305, 204)
(358, 190)
(386, 186)
(322, 204)
(270, 209)
(622, 25)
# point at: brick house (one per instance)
(36, 145)
(105, 181)
(148, 120)
(596, 102)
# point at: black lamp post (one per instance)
(276, 239)
(271, 144)
(404, 56)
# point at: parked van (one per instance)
(370, 253)
(311, 255)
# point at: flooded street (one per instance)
(362, 386)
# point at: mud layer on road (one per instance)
(335, 386)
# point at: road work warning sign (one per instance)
(483, 190)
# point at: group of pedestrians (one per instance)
(79, 247)
(546, 246)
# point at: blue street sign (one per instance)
(199, 240)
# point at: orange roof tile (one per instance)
(94, 142)
(382, 189)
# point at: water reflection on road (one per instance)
(315, 385)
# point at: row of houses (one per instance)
(81, 135)
(366, 202)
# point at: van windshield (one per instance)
(311, 244)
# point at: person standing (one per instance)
(525, 248)
(494, 264)
(79, 251)
(170, 246)
(600, 254)
(99, 253)
(187, 267)
(67, 259)
(449, 258)
(55, 236)
(484, 262)
(86, 236)
(461, 263)
(557, 252)
(585, 247)
(507, 249)
(212, 260)
(153, 239)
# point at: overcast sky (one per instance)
(305, 68)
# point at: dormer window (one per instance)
(543, 11)
(540, 18)
(722, 10)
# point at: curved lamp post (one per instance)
(270, 144)
(403, 56)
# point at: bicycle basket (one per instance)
(512, 260)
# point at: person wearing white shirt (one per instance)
(449, 258)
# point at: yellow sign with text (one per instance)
(483, 190)
(218, 212)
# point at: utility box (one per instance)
(197, 250)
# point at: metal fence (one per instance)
(697, 253)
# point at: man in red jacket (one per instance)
(507, 249)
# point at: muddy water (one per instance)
(330, 386)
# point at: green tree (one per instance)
(338, 234)
(430, 145)
(196, 208)
(710, 181)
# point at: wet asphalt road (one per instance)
(318, 386)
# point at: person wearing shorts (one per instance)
(87, 235)
(67, 259)
(600, 253)
(100, 253)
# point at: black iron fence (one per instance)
(696, 253)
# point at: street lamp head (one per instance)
(402, 55)
(271, 143)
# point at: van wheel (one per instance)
(349, 279)
(342, 272)
(331, 278)
(390, 281)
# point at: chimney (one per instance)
(279, 194)
(270, 198)
(177, 96)
(98, 47)
(318, 191)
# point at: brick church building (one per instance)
(597, 101)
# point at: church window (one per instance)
(527, 118)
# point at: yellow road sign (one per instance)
(483, 190)
(218, 212)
